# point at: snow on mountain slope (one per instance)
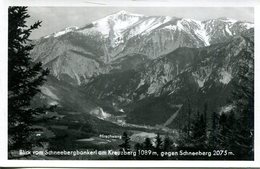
(119, 22)
(62, 32)
(221, 29)
(194, 28)
(82, 53)
(200, 74)
(124, 25)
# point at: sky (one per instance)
(57, 18)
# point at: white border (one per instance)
(135, 3)
(103, 3)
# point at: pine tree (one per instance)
(198, 132)
(158, 144)
(138, 147)
(189, 120)
(148, 144)
(125, 147)
(205, 116)
(243, 99)
(223, 131)
(24, 79)
(167, 144)
(213, 138)
(205, 124)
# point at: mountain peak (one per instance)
(123, 12)
(63, 31)
(225, 19)
(116, 23)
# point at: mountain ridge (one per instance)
(144, 66)
(151, 36)
(142, 86)
(124, 12)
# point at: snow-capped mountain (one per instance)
(223, 28)
(144, 65)
(78, 54)
(62, 32)
(200, 75)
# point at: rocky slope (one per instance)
(144, 67)
(78, 54)
(150, 94)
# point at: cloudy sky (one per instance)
(57, 18)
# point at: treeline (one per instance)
(227, 135)
(150, 149)
(226, 139)
(232, 130)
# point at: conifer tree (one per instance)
(148, 144)
(213, 138)
(205, 124)
(167, 144)
(243, 99)
(205, 111)
(125, 147)
(138, 147)
(189, 120)
(24, 79)
(158, 144)
(199, 128)
(223, 131)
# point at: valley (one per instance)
(140, 74)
